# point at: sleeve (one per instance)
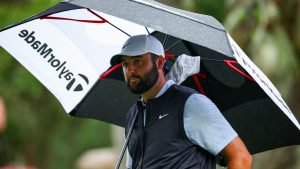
(128, 160)
(205, 125)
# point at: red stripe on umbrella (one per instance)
(77, 20)
(109, 71)
(230, 64)
(198, 84)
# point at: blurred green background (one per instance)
(38, 131)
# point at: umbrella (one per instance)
(68, 48)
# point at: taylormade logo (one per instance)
(58, 65)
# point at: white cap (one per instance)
(139, 45)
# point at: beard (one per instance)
(145, 83)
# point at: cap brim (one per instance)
(116, 59)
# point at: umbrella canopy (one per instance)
(68, 48)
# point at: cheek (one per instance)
(125, 75)
(146, 67)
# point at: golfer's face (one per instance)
(135, 67)
(139, 72)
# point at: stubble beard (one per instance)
(146, 82)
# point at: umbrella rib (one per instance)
(165, 40)
(94, 13)
(218, 60)
(147, 30)
(173, 45)
(119, 29)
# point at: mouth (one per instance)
(134, 80)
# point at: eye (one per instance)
(124, 64)
(136, 61)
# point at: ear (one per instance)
(160, 62)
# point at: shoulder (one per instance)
(184, 90)
(200, 101)
(205, 125)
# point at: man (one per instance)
(176, 127)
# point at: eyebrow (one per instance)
(133, 57)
